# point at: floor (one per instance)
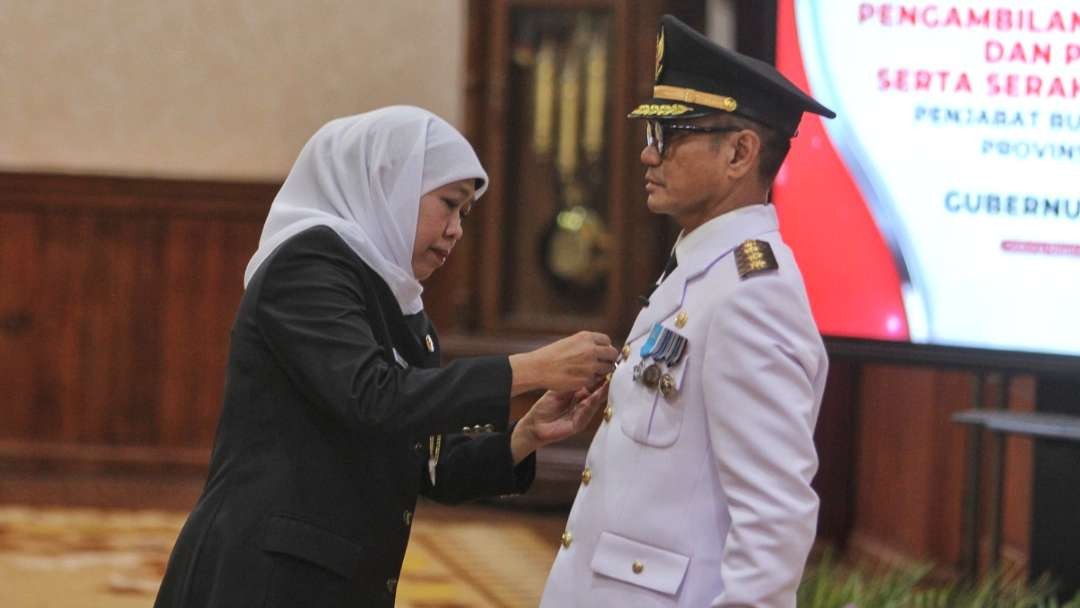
(465, 557)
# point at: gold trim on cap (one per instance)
(659, 53)
(648, 110)
(720, 102)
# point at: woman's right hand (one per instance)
(577, 361)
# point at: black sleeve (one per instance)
(315, 316)
(477, 466)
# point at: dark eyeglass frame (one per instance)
(657, 132)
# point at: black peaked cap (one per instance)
(697, 77)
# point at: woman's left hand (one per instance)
(554, 417)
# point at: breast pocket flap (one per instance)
(639, 564)
(299, 539)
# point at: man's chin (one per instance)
(657, 205)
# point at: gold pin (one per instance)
(429, 343)
(608, 413)
(681, 318)
(586, 476)
(667, 385)
(638, 567)
(626, 351)
(567, 538)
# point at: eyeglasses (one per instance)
(657, 132)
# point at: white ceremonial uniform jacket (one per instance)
(703, 497)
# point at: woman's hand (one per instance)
(554, 417)
(582, 359)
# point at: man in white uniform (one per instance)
(696, 490)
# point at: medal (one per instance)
(651, 375)
(667, 385)
(666, 348)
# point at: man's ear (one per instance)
(745, 150)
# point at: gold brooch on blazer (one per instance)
(753, 256)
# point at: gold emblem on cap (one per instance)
(661, 110)
(681, 318)
(659, 52)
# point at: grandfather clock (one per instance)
(565, 241)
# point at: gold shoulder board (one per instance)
(754, 256)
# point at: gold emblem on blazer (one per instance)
(667, 385)
(754, 256)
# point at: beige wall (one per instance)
(211, 88)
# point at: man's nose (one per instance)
(650, 156)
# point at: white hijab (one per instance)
(363, 176)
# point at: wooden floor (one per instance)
(64, 557)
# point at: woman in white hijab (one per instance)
(337, 413)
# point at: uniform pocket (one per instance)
(646, 414)
(639, 564)
(290, 536)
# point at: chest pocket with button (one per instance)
(647, 415)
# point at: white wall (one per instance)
(226, 89)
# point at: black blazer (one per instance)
(323, 442)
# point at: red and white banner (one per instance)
(942, 205)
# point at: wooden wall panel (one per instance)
(909, 465)
(204, 265)
(834, 438)
(892, 457)
(18, 270)
(1019, 463)
(116, 305)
